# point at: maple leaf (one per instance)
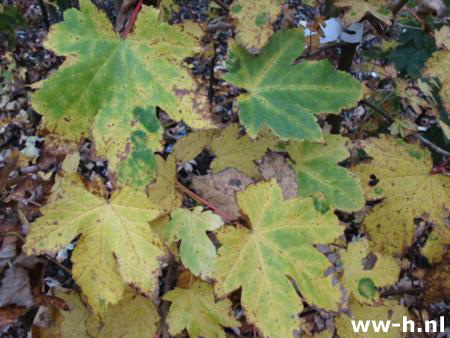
(134, 316)
(278, 249)
(239, 152)
(116, 247)
(400, 174)
(359, 9)
(254, 21)
(195, 309)
(390, 311)
(231, 150)
(163, 192)
(437, 66)
(105, 79)
(317, 171)
(190, 146)
(285, 96)
(197, 251)
(362, 281)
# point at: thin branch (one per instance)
(431, 145)
(44, 13)
(227, 218)
(132, 19)
(54, 261)
(168, 284)
(398, 6)
(425, 141)
(221, 4)
(409, 291)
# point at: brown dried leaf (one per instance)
(220, 189)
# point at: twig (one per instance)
(388, 117)
(12, 233)
(227, 218)
(211, 76)
(398, 6)
(221, 4)
(132, 19)
(54, 261)
(420, 308)
(44, 14)
(410, 291)
(168, 283)
(431, 145)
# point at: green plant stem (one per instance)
(422, 139)
(227, 218)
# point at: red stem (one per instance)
(227, 218)
(132, 19)
(441, 168)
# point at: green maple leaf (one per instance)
(103, 88)
(116, 247)
(317, 171)
(278, 249)
(197, 251)
(195, 309)
(286, 96)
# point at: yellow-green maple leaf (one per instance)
(106, 83)
(240, 152)
(361, 282)
(278, 249)
(317, 171)
(408, 190)
(197, 251)
(359, 8)
(391, 310)
(196, 310)
(254, 21)
(116, 247)
(163, 192)
(133, 317)
(437, 66)
(191, 145)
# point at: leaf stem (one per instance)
(227, 218)
(425, 141)
(132, 19)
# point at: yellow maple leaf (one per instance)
(116, 247)
(133, 317)
(408, 191)
(362, 282)
(358, 9)
(195, 309)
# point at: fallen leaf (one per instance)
(279, 248)
(197, 251)
(220, 189)
(195, 309)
